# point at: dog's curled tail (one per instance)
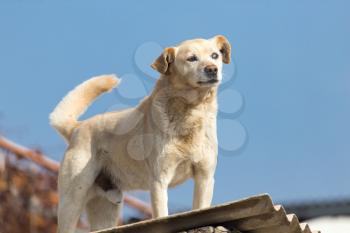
(64, 117)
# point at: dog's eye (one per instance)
(214, 55)
(192, 58)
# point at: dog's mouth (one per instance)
(210, 81)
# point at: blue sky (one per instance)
(289, 86)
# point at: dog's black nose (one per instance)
(211, 70)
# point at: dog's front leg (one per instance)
(203, 190)
(159, 198)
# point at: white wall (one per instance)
(331, 224)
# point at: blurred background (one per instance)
(284, 103)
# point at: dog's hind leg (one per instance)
(77, 174)
(102, 213)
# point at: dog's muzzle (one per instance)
(211, 71)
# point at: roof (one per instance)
(256, 214)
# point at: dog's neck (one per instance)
(180, 110)
(184, 94)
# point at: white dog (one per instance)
(168, 138)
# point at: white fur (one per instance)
(168, 138)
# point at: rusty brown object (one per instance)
(32, 155)
(28, 196)
(53, 166)
(139, 205)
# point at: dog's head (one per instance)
(197, 62)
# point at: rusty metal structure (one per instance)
(28, 191)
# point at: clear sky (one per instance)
(285, 104)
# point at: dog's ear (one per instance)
(161, 64)
(224, 47)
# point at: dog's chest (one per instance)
(187, 156)
(192, 141)
(193, 132)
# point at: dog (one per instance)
(168, 138)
